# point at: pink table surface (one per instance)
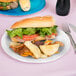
(65, 66)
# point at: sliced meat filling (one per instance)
(31, 38)
(38, 43)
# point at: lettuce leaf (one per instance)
(54, 29)
(30, 31)
(8, 32)
(47, 30)
(15, 32)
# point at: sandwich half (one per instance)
(37, 28)
(28, 34)
(8, 4)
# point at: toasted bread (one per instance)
(8, 0)
(49, 49)
(35, 22)
(25, 5)
(33, 48)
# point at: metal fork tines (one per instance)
(66, 29)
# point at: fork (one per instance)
(66, 29)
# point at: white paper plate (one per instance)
(61, 37)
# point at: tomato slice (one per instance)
(29, 37)
(49, 36)
(54, 34)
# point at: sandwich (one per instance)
(33, 37)
(8, 4)
(36, 28)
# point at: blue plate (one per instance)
(36, 5)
